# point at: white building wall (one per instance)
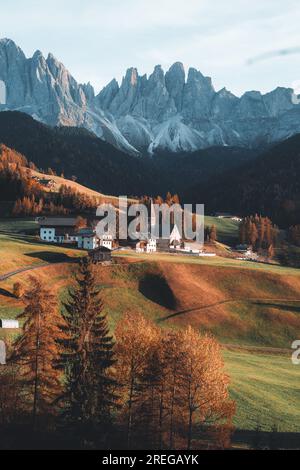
(151, 246)
(106, 243)
(48, 234)
(9, 324)
(89, 243)
(175, 235)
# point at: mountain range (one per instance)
(164, 113)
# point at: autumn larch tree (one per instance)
(135, 337)
(204, 388)
(18, 290)
(213, 234)
(36, 351)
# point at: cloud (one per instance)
(98, 39)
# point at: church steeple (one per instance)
(152, 218)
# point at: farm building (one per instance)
(2, 353)
(64, 230)
(48, 183)
(107, 241)
(147, 245)
(87, 239)
(6, 324)
(58, 229)
(100, 255)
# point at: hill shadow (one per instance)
(52, 257)
(155, 288)
(6, 293)
(284, 307)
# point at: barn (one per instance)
(100, 255)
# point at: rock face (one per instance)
(165, 112)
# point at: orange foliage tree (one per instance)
(36, 351)
(174, 389)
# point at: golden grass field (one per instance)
(253, 310)
(59, 181)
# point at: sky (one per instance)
(236, 42)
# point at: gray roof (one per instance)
(86, 232)
(57, 221)
(101, 249)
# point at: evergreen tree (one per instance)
(90, 396)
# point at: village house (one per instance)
(87, 239)
(107, 241)
(100, 255)
(227, 215)
(2, 353)
(191, 247)
(9, 324)
(47, 183)
(149, 245)
(58, 229)
(64, 230)
(247, 252)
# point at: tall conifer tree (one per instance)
(88, 359)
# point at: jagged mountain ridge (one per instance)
(167, 112)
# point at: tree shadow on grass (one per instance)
(6, 293)
(155, 288)
(284, 307)
(52, 257)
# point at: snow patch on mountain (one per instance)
(174, 136)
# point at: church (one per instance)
(149, 243)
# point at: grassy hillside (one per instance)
(254, 311)
(59, 181)
(227, 229)
(266, 390)
(19, 252)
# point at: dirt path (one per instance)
(4, 277)
(227, 301)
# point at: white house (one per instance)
(107, 241)
(140, 246)
(192, 247)
(151, 245)
(87, 239)
(9, 324)
(2, 353)
(148, 245)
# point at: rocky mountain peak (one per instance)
(131, 77)
(165, 111)
(175, 82)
